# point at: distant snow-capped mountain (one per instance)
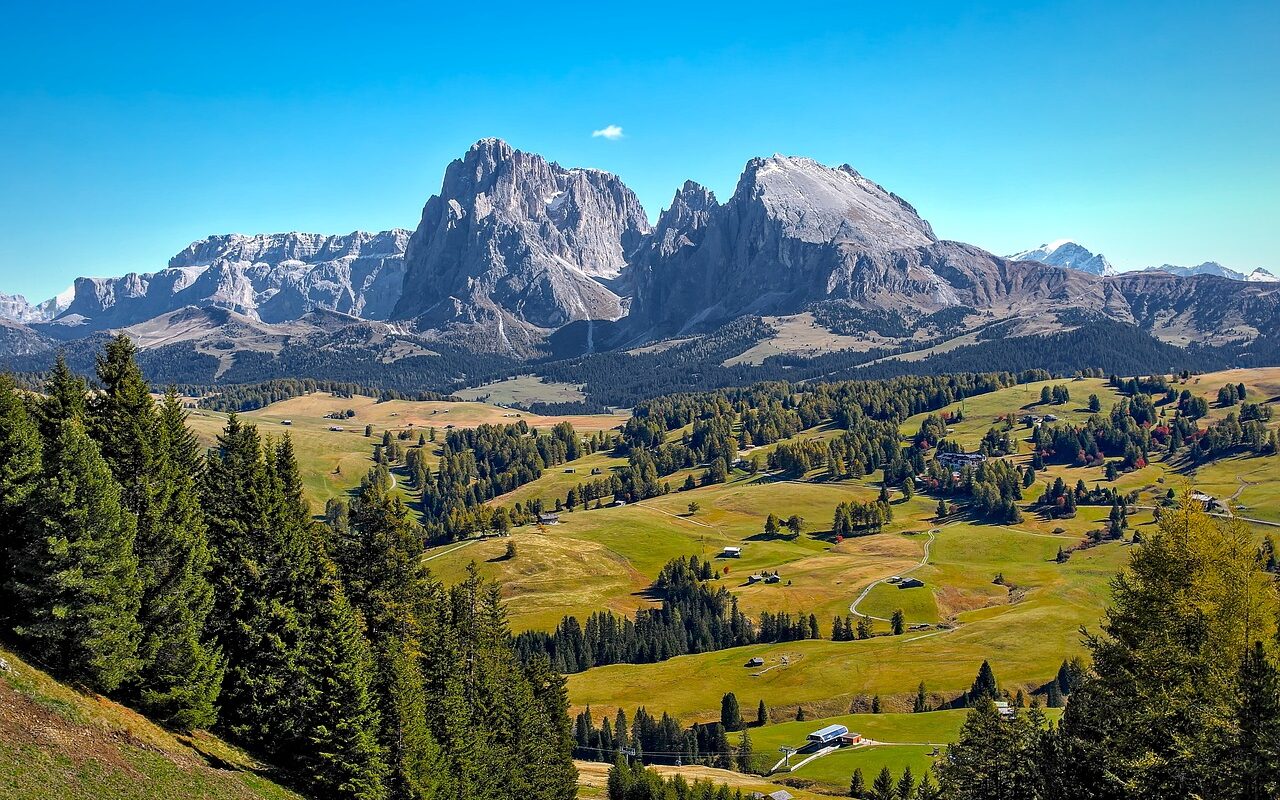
(16, 308)
(1066, 253)
(1259, 275)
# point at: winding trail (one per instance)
(446, 552)
(924, 561)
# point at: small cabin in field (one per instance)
(851, 739)
(731, 552)
(336, 428)
(827, 735)
(910, 583)
(756, 662)
(548, 519)
(772, 578)
(286, 422)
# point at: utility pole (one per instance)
(786, 756)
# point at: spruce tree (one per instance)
(259, 576)
(882, 788)
(1252, 763)
(19, 480)
(762, 714)
(76, 579)
(156, 460)
(857, 784)
(385, 579)
(730, 713)
(337, 752)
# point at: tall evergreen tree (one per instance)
(730, 713)
(76, 579)
(1252, 763)
(337, 752)
(386, 579)
(1152, 712)
(150, 454)
(19, 480)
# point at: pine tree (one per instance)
(984, 685)
(65, 398)
(857, 784)
(1252, 763)
(744, 752)
(153, 457)
(1192, 600)
(898, 622)
(730, 714)
(337, 753)
(260, 576)
(181, 674)
(906, 784)
(922, 702)
(19, 480)
(385, 579)
(762, 714)
(882, 788)
(76, 579)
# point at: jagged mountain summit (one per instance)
(1066, 253)
(797, 232)
(518, 258)
(1259, 275)
(268, 277)
(519, 246)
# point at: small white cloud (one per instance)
(610, 132)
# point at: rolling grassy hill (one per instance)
(607, 558)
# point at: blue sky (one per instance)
(1145, 130)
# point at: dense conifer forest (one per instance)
(196, 587)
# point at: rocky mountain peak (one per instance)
(1069, 254)
(817, 203)
(514, 236)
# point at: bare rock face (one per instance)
(795, 232)
(515, 241)
(268, 277)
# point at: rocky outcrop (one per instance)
(515, 241)
(796, 232)
(269, 277)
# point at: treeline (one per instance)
(246, 397)
(195, 587)
(660, 740)
(1182, 698)
(479, 464)
(636, 782)
(693, 618)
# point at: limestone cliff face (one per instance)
(795, 232)
(515, 240)
(269, 277)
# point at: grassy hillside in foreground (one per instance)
(59, 743)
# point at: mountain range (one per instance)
(519, 259)
(1066, 253)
